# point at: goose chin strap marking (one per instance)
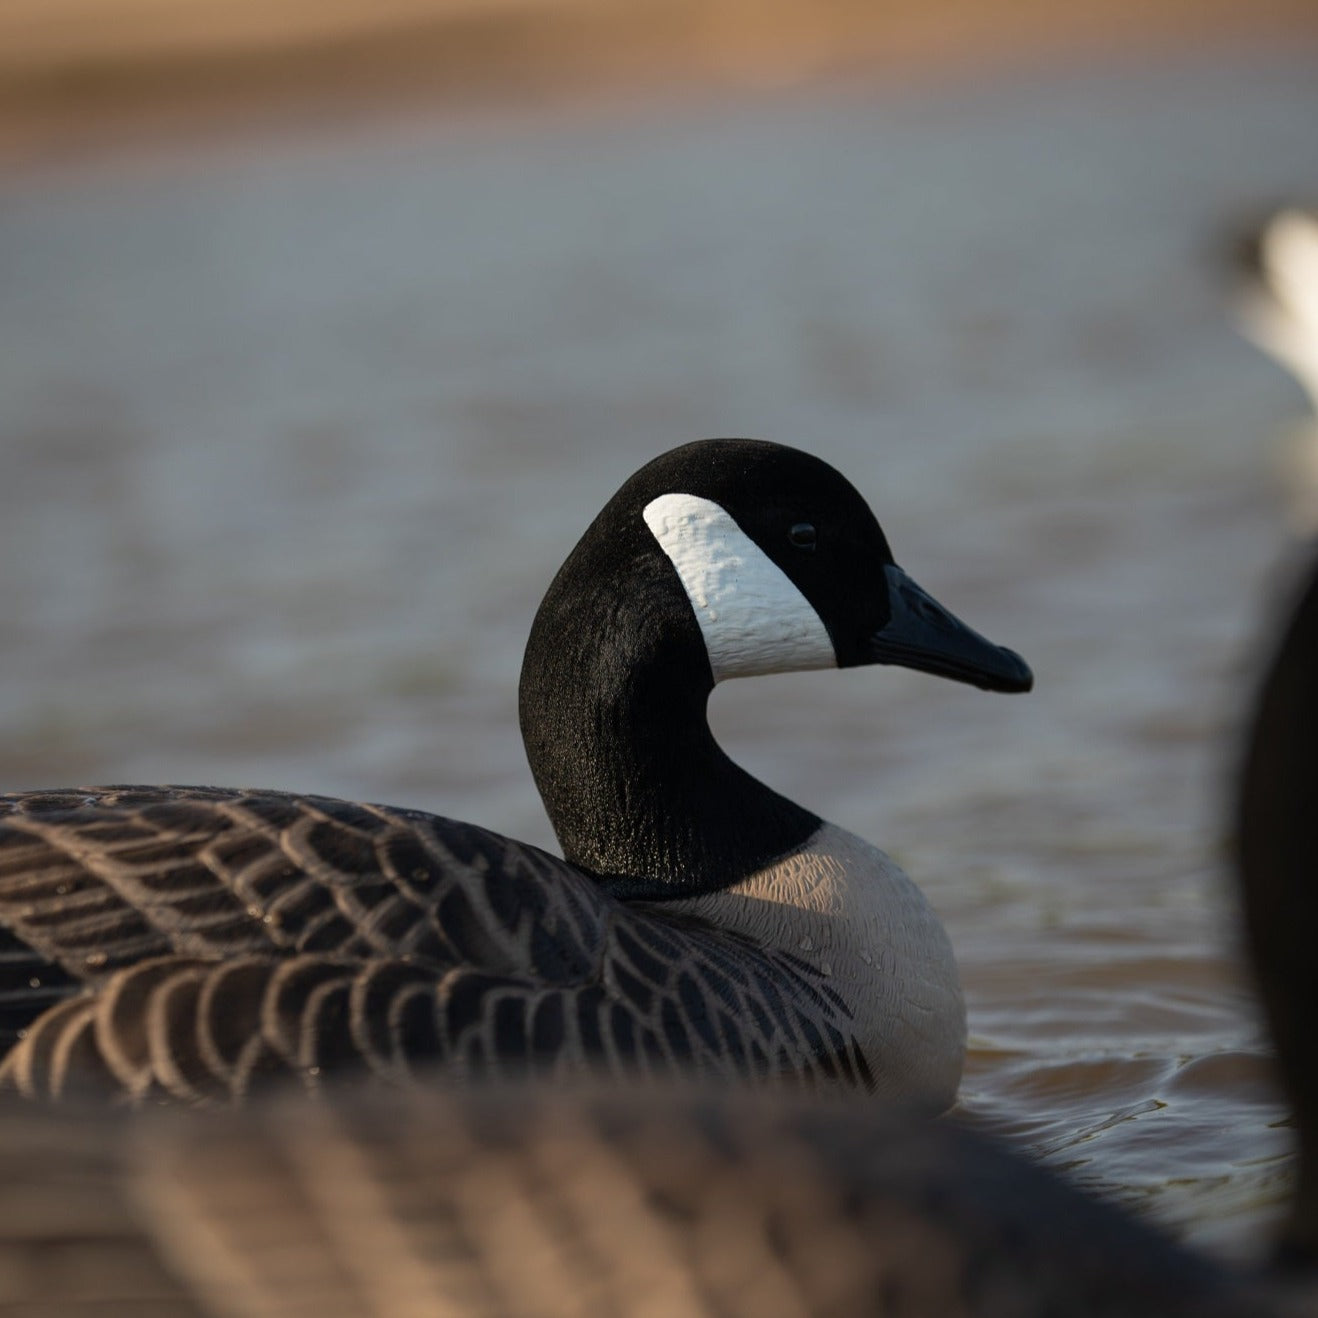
(753, 619)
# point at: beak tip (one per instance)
(1019, 677)
(921, 634)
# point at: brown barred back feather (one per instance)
(187, 942)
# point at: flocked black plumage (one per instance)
(680, 817)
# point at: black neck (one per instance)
(613, 694)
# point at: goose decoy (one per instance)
(188, 941)
(536, 1202)
(1274, 829)
(1279, 301)
(530, 1201)
(1277, 307)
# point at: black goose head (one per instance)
(785, 567)
(718, 559)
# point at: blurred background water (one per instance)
(300, 409)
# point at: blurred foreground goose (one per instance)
(189, 941)
(531, 1202)
(1278, 310)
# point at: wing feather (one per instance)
(190, 943)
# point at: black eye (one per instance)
(802, 535)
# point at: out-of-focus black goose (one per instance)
(188, 941)
(1277, 852)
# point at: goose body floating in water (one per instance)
(190, 941)
(528, 1202)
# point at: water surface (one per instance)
(295, 431)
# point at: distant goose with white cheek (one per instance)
(191, 942)
(1277, 305)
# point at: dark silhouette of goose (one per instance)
(187, 942)
(544, 1202)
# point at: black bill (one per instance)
(921, 634)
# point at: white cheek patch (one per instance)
(754, 620)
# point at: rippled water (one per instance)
(296, 430)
